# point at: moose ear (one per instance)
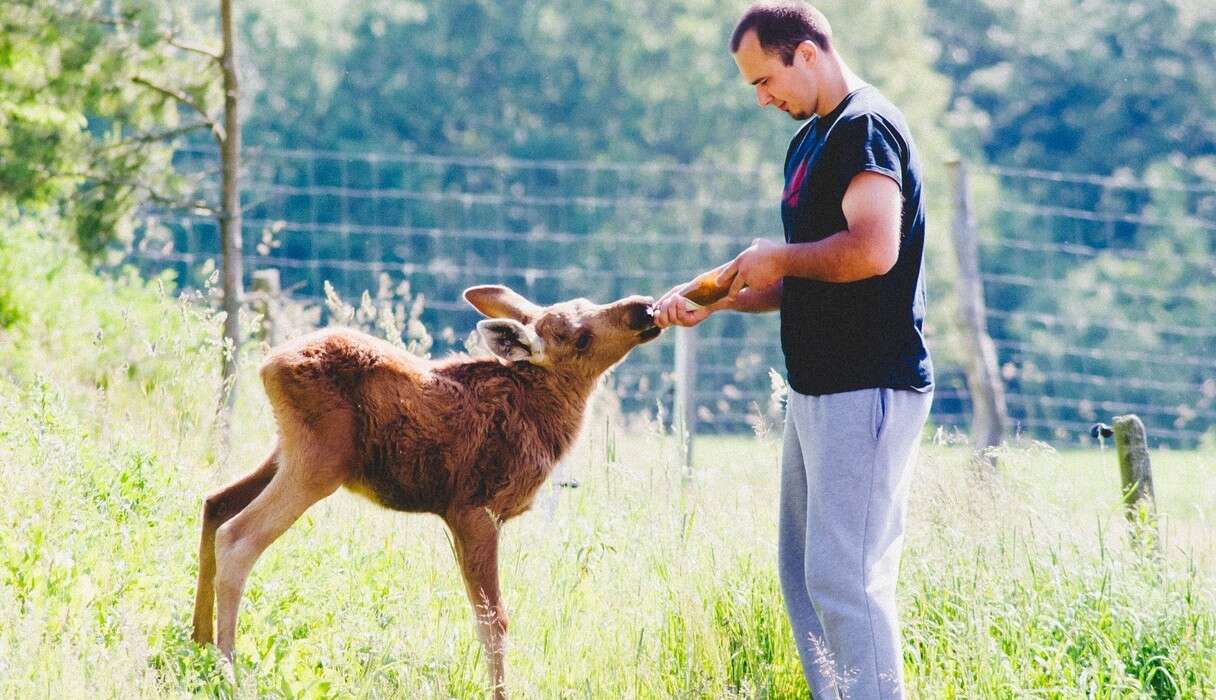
(510, 339)
(496, 301)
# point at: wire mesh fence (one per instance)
(1100, 294)
(551, 230)
(1099, 289)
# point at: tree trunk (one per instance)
(230, 209)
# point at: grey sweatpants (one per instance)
(846, 466)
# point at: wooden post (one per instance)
(1131, 446)
(989, 413)
(683, 418)
(266, 292)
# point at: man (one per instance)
(848, 283)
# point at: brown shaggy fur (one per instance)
(470, 440)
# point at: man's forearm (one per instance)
(841, 257)
(752, 300)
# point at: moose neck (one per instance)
(554, 402)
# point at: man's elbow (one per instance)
(864, 268)
(875, 261)
(883, 261)
(881, 249)
(872, 255)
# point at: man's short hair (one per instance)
(782, 26)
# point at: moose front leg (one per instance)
(475, 535)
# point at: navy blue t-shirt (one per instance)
(865, 334)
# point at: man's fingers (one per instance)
(664, 320)
(728, 273)
(675, 310)
(670, 310)
(682, 312)
(737, 283)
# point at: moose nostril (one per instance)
(639, 314)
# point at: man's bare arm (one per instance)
(869, 247)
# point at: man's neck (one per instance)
(838, 86)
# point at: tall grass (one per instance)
(641, 582)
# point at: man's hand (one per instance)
(760, 266)
(674, 310)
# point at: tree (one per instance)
(230, 206)
(1080, 86)
(76, 131)
(565, 79)
(93, 98)
(227, 136)
(604, 81)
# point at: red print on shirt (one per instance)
(794, 186)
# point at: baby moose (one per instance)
(468, 439)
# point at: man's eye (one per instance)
(583, 342)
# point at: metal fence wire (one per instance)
(1099, 289)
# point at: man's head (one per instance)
(784, 50)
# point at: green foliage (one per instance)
(1118, 89)
(609, 80)
(1080, 86)
(85, 332)
(1044, 592)
(737, 621)
(77, 133)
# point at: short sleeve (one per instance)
(867, 143)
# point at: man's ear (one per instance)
(510, 339)
(808, 50)
(497, 301)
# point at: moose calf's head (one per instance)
(574, 336)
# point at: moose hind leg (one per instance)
(303, 478)
(218, 508)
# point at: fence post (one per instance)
(684, 416)
(1135, 469)
(989, 412)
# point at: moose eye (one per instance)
(583, 342)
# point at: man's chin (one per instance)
(798, 116)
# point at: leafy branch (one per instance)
(217, 130)
(168, 36)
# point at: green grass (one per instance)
(639, 583)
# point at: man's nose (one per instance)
(763, 98)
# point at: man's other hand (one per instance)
(760, 266)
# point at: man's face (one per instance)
(792, 88)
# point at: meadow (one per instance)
(645, 581)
